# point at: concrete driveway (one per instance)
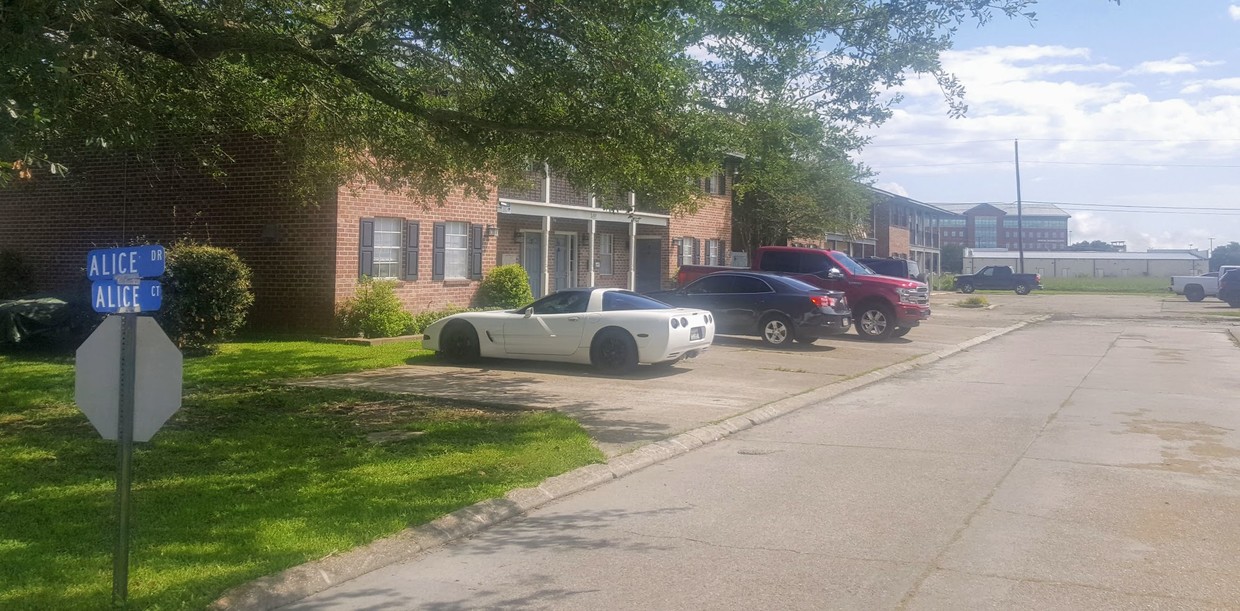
(737, 375)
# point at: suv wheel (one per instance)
(966, 287)
(1194, 292)
(875, 323)
(1022, 289)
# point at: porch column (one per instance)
(633, 255)
(632, 242)
(546, 251)
(590, 262)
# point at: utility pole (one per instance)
(1020, 221)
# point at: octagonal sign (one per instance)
(157, 385)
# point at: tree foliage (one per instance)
(1227, 254)
(1094, 246)
(422, 95)
(953, 258)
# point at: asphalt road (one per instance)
(1072, 464)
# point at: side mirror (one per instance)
(529, 312)
(833, 274)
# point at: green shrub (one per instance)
(506, 287)
(16, 275)
(206, 295)
(944, 282)
(976, 301)
(374, 311)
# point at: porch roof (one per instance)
(562, 211)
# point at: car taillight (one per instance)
(1037, 277)
(822, 301)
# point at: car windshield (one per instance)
(627, 300)
(853, 267)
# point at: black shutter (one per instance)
(475, 252)
(722, 187)
(696, 251)
(438, 256)
(725, 257)
(366, 248)
(411, 250)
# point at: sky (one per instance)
(1127, 117)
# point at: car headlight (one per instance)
(907, 295)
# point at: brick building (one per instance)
(1044, 226)
(307, 258)
(897, 227)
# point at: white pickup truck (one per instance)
(1196, 288)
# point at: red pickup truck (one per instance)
(882, 306)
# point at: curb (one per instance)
(301, 581)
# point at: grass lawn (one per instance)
(1138, 285)
(249, 477)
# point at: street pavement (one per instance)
(1084, 462)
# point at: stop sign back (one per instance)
(157, 384)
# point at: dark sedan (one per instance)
(776, 308)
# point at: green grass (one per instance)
(1138, 285)
(248, 478)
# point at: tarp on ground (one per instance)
(22, 319)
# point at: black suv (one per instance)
(896, 268)
(1229, 288)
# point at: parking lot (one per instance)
(737, 375)
(740, 374)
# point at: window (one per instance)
(688, 251)
(456, 250)
(712, 252)
(713, 284)
(606, 254)
(624, 300)
(563, 302)
(387, 248)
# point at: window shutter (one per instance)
(366, 248)
(696, 251)
(475, 251)
(725, 257)
(438, 256)
(723, 184)
(411, 250)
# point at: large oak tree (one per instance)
(422, 94)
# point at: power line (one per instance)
(1234, 210)
(989, 140)
(1134, 165)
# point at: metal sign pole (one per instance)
(124, 456)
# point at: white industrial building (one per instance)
(1092, 264)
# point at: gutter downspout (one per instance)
(593, 227)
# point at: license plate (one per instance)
(697, 333)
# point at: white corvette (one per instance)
(612, 329)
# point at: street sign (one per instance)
(130, 261)
(112, 297)
(157, 380)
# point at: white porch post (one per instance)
(546, 251)
(590, 262)
(632, 242)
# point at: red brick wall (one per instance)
(712, 221)
(368, 201)
(53, 221)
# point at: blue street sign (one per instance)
(127, 262)
(112, 297)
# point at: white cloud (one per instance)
(1234, 11)
(1179, 64)
(892, 187)
(1223, 84)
